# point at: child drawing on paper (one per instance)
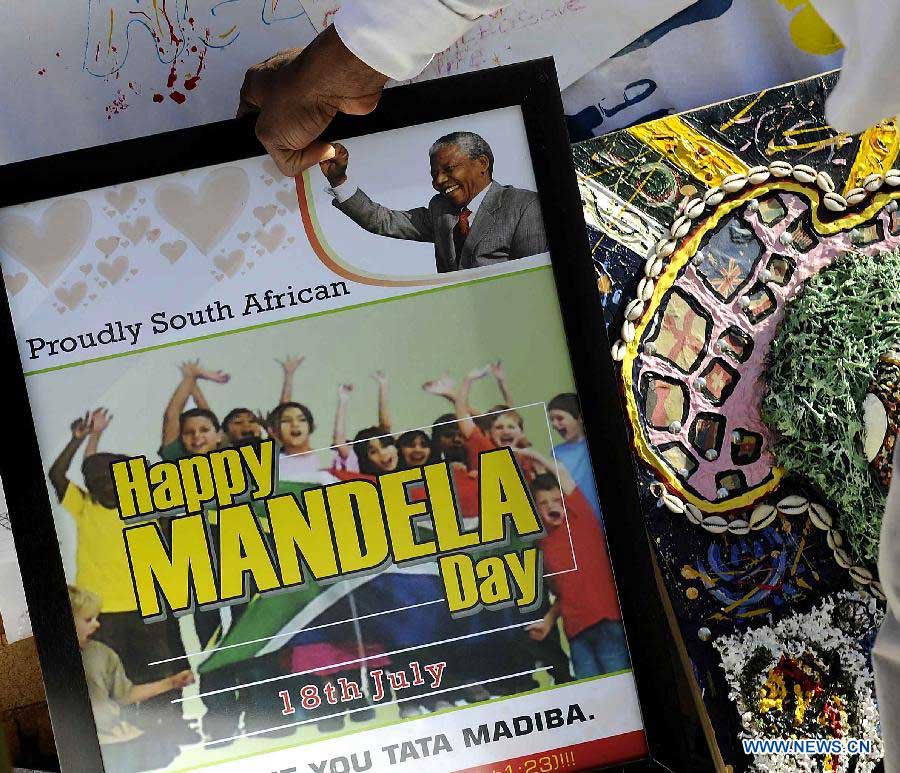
(125, 746)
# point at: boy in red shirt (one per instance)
(585, 597)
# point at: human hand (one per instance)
(497, 370)
(219, 376)
(190, 368)
(335, 169)
(182, 679)
(477, 373)
(81, 427)
(297, 93)
(379, 378)
(290, 364)
(344, 392)
(444, 386)
(539, 631)
(99, 421)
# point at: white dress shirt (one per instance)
(869, 87)
(399, 38)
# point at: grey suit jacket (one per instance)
(507, 226)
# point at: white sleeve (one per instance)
(399, 37)
(868, 90)
(346, 190)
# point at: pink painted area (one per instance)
(742, 409)
(326, 658)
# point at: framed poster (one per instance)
(434, 578)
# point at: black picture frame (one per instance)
(533, 87)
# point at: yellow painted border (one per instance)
(664, 282)
(878, 148)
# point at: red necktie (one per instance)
(461, 231)
(464, 226)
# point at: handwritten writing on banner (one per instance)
(579, 34)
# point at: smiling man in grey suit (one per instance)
(472, 221)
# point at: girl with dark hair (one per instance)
(415, 449)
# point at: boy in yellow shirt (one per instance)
(102, 568)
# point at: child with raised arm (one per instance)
(193, 431)
(102, 568)
(291, 425)
(445, 387)
(586, 598)
(125, 746)
(345, 457)
(502, 427)
(564, 412)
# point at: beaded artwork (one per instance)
(747, 260)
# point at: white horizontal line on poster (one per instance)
(379, 705)
(356, 660)
(296, 631)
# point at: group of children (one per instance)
(388, 622)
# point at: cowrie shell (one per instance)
(714, 196)
(834, 539)
(877, 590)
(665, 247)
(634, 309)
(842, 558)
(653, 268)
(681, 227)
(834, 202)
(645, 289)
(781, 168)
(855, 196)
(861, 575)
(619, 348)
(628, 331)
(715, 524)
(739, 527)
(758, 175)
(762, 516)
(820, 516)
(873, 182)
(694, 208)
(693, 513)
(673, 504)
(892, 177)
(825, 182)
(793, 505)
(804, 173)
(734, 182)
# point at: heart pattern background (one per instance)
(82, 251)
(45, 246)
(207, 214)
